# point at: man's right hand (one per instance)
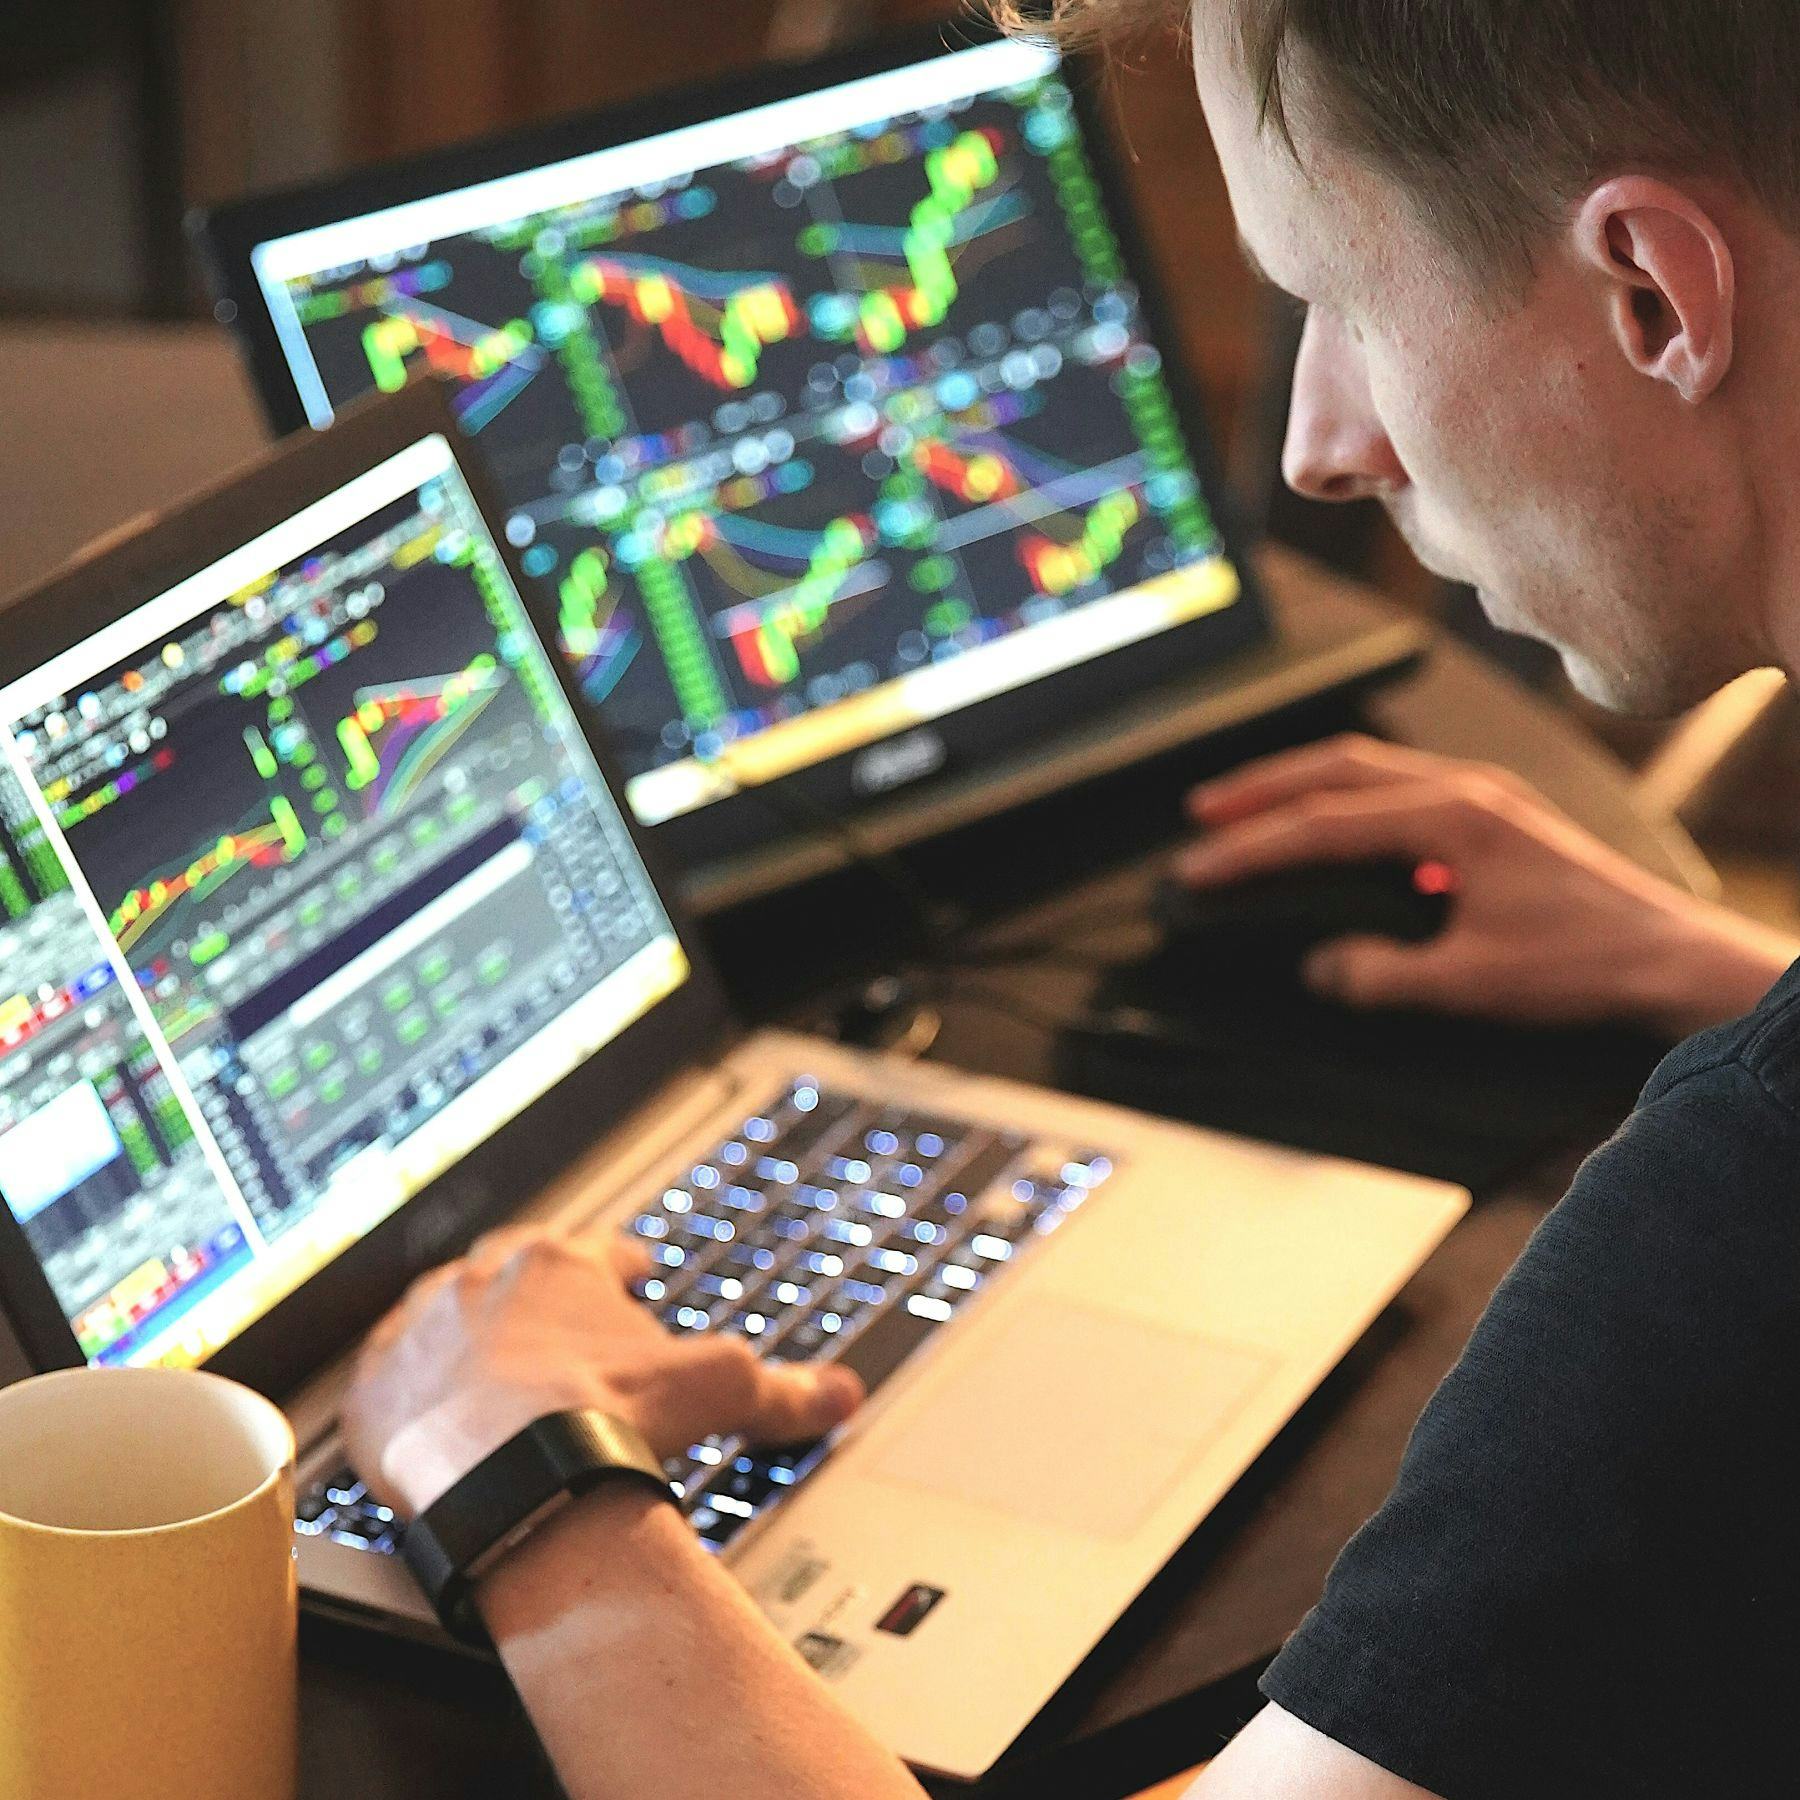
(535, 1321)
(1548, 925)
(647, 1669)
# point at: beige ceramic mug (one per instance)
(148, 1604)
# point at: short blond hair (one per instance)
(1086, 22)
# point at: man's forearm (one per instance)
(647, 1670)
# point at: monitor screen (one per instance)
(309, 883)
(823, 420)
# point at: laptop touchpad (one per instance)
(1073, 1417)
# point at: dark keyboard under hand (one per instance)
(826, 1228)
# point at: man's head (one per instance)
(1548, 250)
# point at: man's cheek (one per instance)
(1407, 428)
(1432, 420)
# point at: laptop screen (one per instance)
(310, 884)
(824, 419)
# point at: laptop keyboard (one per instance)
(826, 1228)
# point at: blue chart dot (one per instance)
(540, 559)
(833, 315)
(955, 392)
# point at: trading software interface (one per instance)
(309, 883)
(822, 420)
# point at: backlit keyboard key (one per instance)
(828, 1227)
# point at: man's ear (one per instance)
(1670, 280)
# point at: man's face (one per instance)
(1513, 443)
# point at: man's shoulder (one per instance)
(1698, 1178)
(1589, 1537)
(1763, 1048)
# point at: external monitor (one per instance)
(831, 409)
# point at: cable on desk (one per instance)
(945, 928)
(1130, 1023)
(926, 1028)
(940, 922)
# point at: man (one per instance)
(1549, 250)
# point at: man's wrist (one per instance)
(1708, 967)
(612, 1536)
(428, 1457)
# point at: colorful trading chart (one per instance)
(783, 431)
(279, 890)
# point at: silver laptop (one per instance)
(329, 943)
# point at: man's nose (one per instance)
(1336, 447)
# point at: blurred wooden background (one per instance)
(204, 99)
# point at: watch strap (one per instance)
(508, 1494)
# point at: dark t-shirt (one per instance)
(1586, 1581)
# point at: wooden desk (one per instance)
(99, 424)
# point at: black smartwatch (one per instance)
(508, 1495)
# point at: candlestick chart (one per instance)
(334, 717)
(777, 432)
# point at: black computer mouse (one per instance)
(1276, 919)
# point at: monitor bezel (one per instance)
(713, 836)
(327, 1313)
